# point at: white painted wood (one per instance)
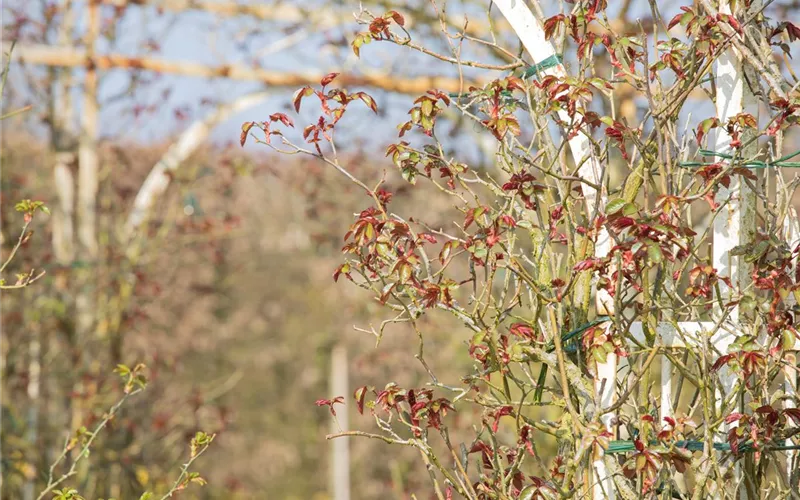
(735, 224)
(666, 388)
(792, 235)
(686, 334)
(791, 227)
(340, 451)
(531, 34)
(790, 390)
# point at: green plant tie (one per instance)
(692, 445)
(548, 63)
(783, 161)
(571, 348)
(577, 331)
(456, 95)
(534, 69)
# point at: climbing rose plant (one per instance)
(518, 266)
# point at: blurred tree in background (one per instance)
(168, 245)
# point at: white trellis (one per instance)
(733, 225)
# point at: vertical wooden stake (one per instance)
(87, 150)
(735, 224)
(531, 34)
(792, 235)
(340, 453)
(88, 166)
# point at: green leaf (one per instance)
(409, 175)
(600, 355)
(607, 120)
(630, 209)
(447, 249)
(426, 122)
(788, 340)
(615, 206)
(480, 252)
(427, 107)
(405, 273)
(654, 253)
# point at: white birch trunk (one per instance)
(158, 179)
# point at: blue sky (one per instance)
(200, 37)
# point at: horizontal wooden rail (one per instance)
(71, 57)
(287, 13)
(283, 12)
(688, 334)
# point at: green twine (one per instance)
(691, 445)
(620, 446)
(537, 395)
(191, 201)
(780, 162)
(574, 333)
(534, 69)
(456, 95)
(548, 63)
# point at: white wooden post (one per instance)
(340, 452)
(792, 235)
(531, 34)
(735, 223)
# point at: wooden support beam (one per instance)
(285, 12)
(687, 334)
(790, 381)
(281, 12)
(88, 158)
(73, 57)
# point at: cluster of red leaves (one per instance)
(330, 402)
(522, 486)
(788, 114)
(265, 126)
(501, 118)
(656, 446)
(379, 29)
(525, 186)
(576, 25)
(389, 248)
(760, 430)
(333, 103)
(704, 28)
(419, 404)
(774, 272)
(642, 240)
(598, 342)
(702, 281)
